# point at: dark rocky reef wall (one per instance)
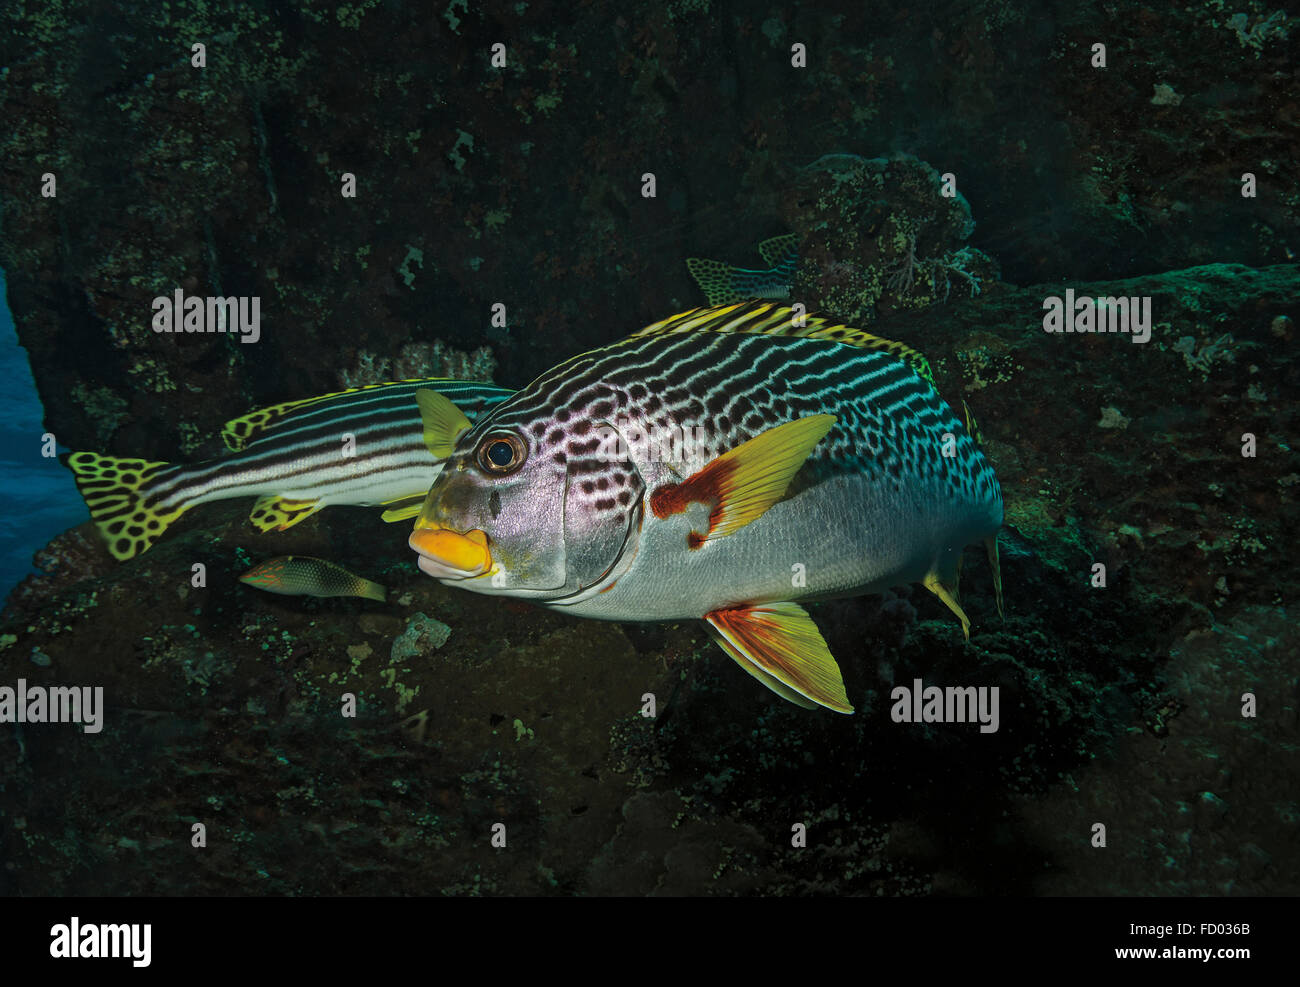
(521, 185)
(1120, 704)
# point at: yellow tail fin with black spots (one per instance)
(112, 489)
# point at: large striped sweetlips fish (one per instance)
(723, 464)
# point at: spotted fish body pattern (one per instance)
(363, 446)
(300, 575)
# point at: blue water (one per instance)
(38, 499)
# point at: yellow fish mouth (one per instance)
(447, 554)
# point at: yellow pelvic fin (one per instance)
(715, 278)
(114, 491)
(743, 483)
(237, 432)
(275, 513)
(726, 315)
(412, 509)
(991, 543)
(946, 590)
(774, 250)
(443, 422)
(782, 690)
(779, 645)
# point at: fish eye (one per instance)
(501, 453)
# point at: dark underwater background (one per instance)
(522, 185)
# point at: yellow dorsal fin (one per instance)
(742, 484)
(443, 422)
(237, 432)
(774, 249)
(715, 278)
(768, 319)
(779, 645)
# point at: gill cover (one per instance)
(521, 515)
(602, 513)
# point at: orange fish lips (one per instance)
(447, 554)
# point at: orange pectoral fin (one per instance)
(743, 483)
(780, 646)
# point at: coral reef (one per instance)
(520, 186)
(435, 359)
(226, 701)
(880, 236)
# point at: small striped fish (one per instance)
(378, 444)
(723, 284)
(724, 464)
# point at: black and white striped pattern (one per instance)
(300, 455)
(734, 385)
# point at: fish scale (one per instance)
(902, 407)
(907, 467)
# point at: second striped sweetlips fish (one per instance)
(376, 444)
(722, 283)
(724, 464)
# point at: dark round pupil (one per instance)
(500, 454)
